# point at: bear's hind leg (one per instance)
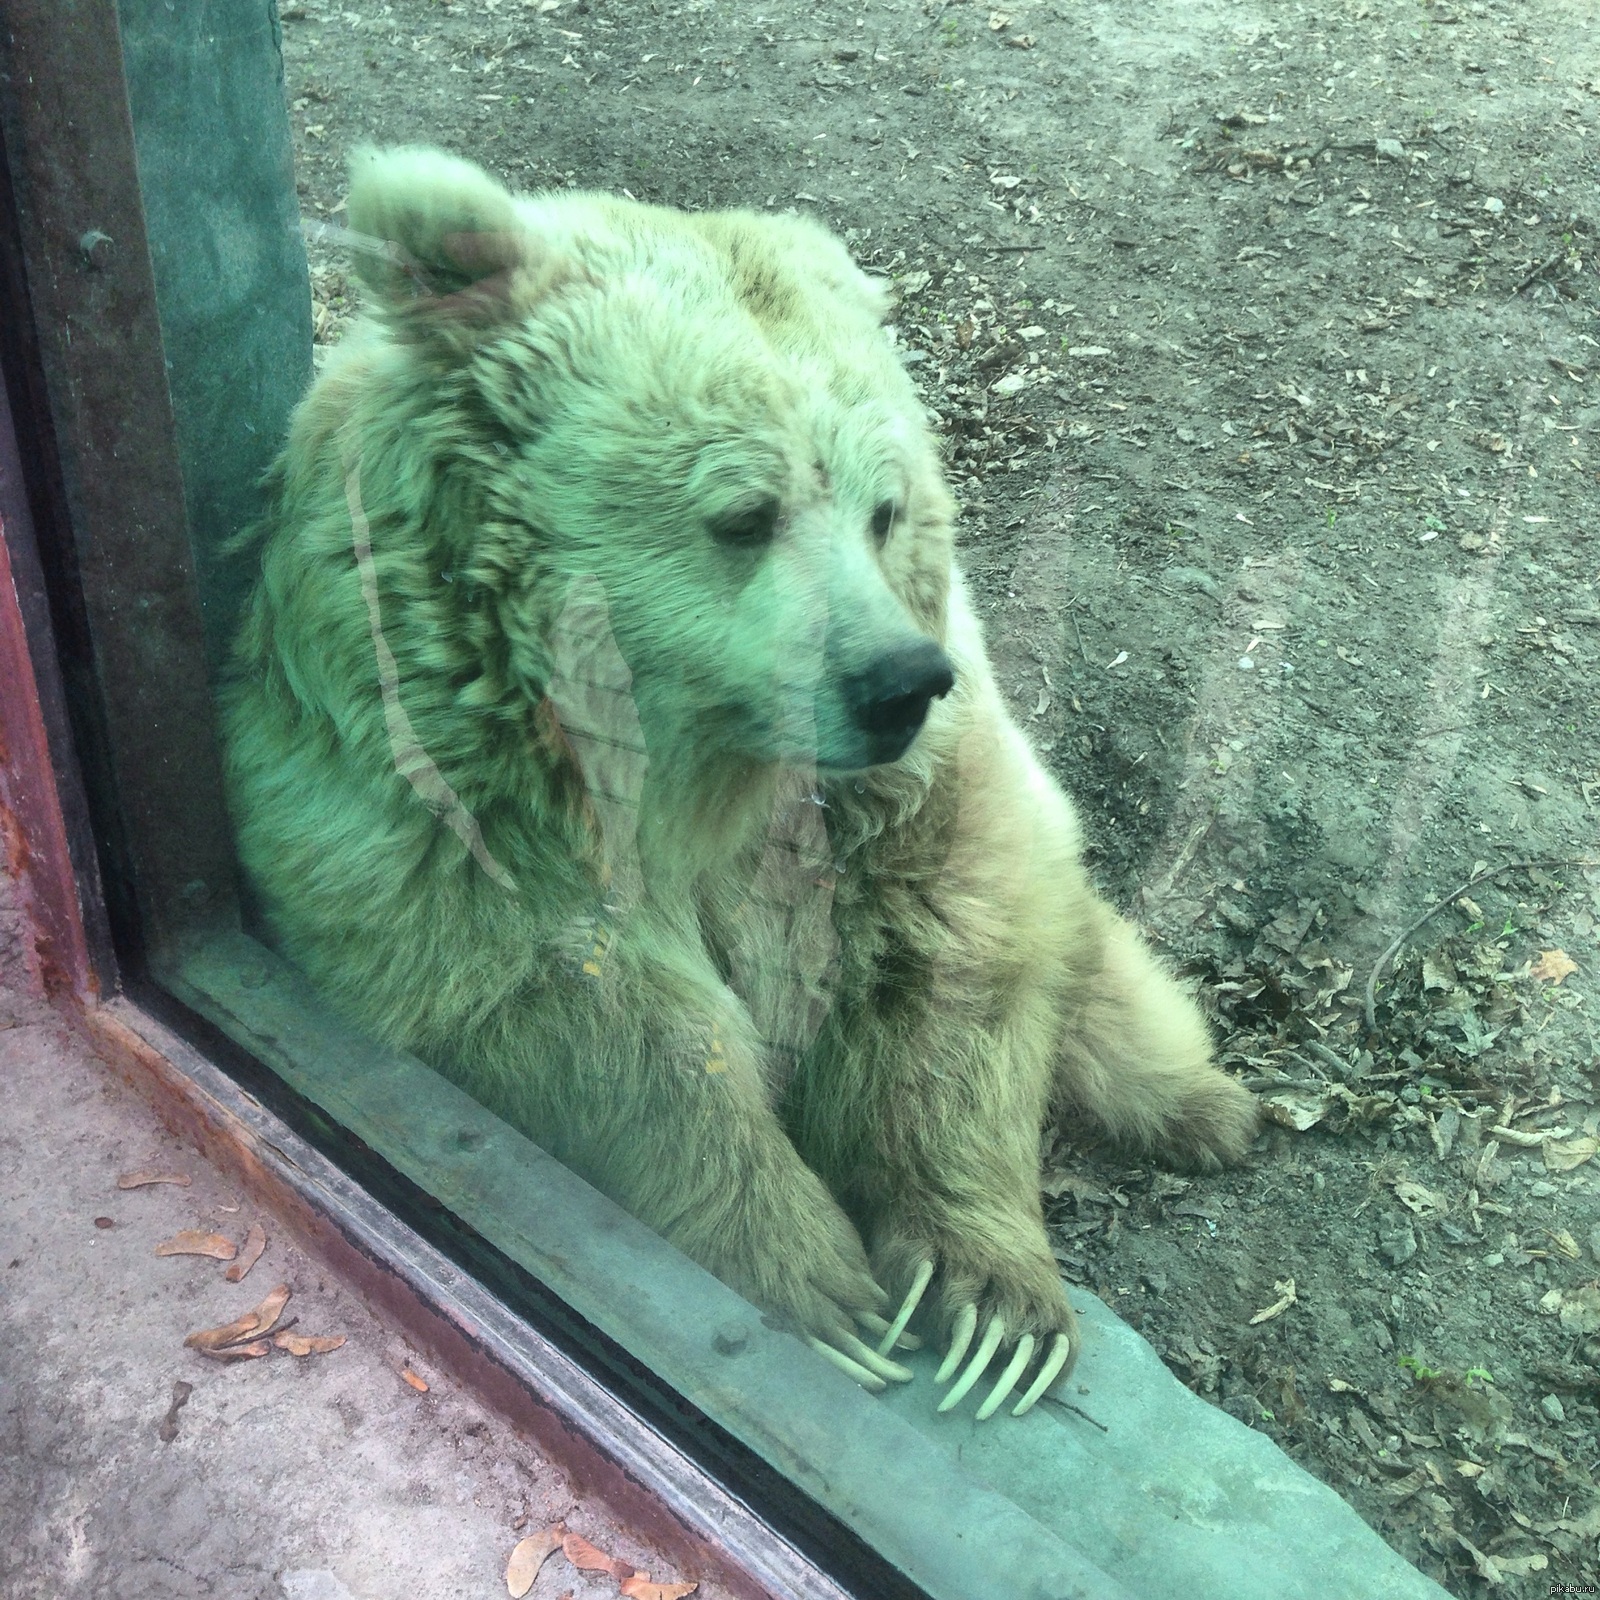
(1136, 1057)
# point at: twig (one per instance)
(1079, 632)
(1067, 1405)
(1450, 899)
(1539, 271)
(1190, 845)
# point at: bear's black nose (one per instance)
(890, 699)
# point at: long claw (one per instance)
(1003, 1384)
(966, 1324)
(919, 1287)
(851, 1369)
(876, 1364)
(992, 1335)
(1048, 1373)
(878, 1326)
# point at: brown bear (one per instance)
(610, 727)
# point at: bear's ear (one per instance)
(432, 230)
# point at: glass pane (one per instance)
(679, 630)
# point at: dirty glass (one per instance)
(609, 726)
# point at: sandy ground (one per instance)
(328, 1477)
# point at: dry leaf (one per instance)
(1528, 1138)
(252, 1325)
(137, 1180)
(1295, 1108)
(1056, 1183)
(1565, 1244)
(1486, 1566)
(168, 1430)
(192, 1242)
(529, 1557)
(255, 1241)
(419, 1384)
(308, 1344)
(1437, 974)
(590, 1558)
(1414, 1197)
(1562, 1155)
(1411, 1484)
(1521, 1566)
(239, 1352)
(270, 1309)
(1580, 1310)
(1284, 1289)
(640, 1587)
(1552, 966)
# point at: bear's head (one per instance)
(701, 415)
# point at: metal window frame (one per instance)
(748, 1457)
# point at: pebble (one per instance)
(1552, 1407)
(1195, 578)
(1594, 1241)
(1398, 1244)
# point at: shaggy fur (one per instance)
(543, 768)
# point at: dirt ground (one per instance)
(1265, 344)
(133, 1466)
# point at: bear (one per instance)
(609, 725)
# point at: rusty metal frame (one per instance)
(47, 846)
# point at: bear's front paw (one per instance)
(989, 1283)
(799, 1259)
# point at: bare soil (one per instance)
(1265, 342)
(133, 1466)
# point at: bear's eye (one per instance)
(883, 519)
(749, 526)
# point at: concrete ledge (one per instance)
(1175, 1497)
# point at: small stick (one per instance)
(1538, 272)
(1186, 854)
(1450, 899)
(1067, 1405)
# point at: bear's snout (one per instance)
(889, 699)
